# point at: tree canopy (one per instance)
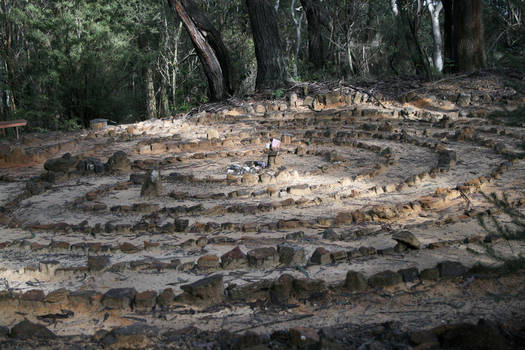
(64, 62)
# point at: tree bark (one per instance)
(435, 10)
(151, 103)
(209, 47)
(271, 70)
(464, 37)
(315, 41)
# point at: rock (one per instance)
(263, 258)
(451, 269)
(119, 298)
(65, 164)
(207, 291)
(57, 296)
(309, 288)
(234, 259)
(248, 341)
(338, 256)
(484, 335)
(407, 238)
(355, 281)
(98, 262)
(30, 330)
(118, 162)
(303, 337)
(330, 234)
(208, 262)
(91, 165)
(463, 100)
(384, 279)
(4, 332)
(293, 100)
(409, 275)
(431, 274)
(291, 255)
(260, 109)
(152, 186)
(282, 289)
(136, 336)
(321, 256)
(250, 292)
(426, 338)
(446, 158)
(165, 298)
(181, 224)
(145, 301)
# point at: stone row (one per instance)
(212, 291)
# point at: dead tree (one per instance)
(210, 48)
(464, 38)
(271, 70)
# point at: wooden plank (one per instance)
(12, 123)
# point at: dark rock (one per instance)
(4, 332)
(263, 258)
(321, 256)
(384, 279)
(181, 225)
(152, 186)
(119, 298)
(248, 340)
(451, 269)
(137, 179)
(330, 235)
(484, 335)
(303, 337)
(64, 164)
(98, 262)
(30, 330)
(446, 158)
(136, 336)
(355, 281)
(295, 235)
(291, 255)
(407, 238)
(409, 275)
(308, 288)
(90, 165)
(207, 291)
(165, 298)
(145, 301)
(431, 274)
(339, 256)
(250, 292)
(282, 289)
(118, 162)
(234, 259)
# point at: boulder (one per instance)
(207, 291)
(281, 290)
(152, 186)
(64, 164)
(355, 281)
(119, 298)
(263, 258)
(321, 256)
(291, 255)
(451, 269)
(407, 238)
(384, 279)
(98, 262)
(118, 162)
(234, 259)
(30, 330)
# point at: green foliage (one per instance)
(277, 94)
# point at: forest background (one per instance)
(65, 62)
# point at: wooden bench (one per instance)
(12, 124)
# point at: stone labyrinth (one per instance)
(367, 212)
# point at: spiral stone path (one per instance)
(370, 214)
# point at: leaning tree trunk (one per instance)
(315, 41)
(464, 38)
(271, 70)
(210, 49)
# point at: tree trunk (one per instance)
(209, 47)
(435, 10)
(464, 38)
(271, 70)
(315, 41)
(298, 24)
(151, 103)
